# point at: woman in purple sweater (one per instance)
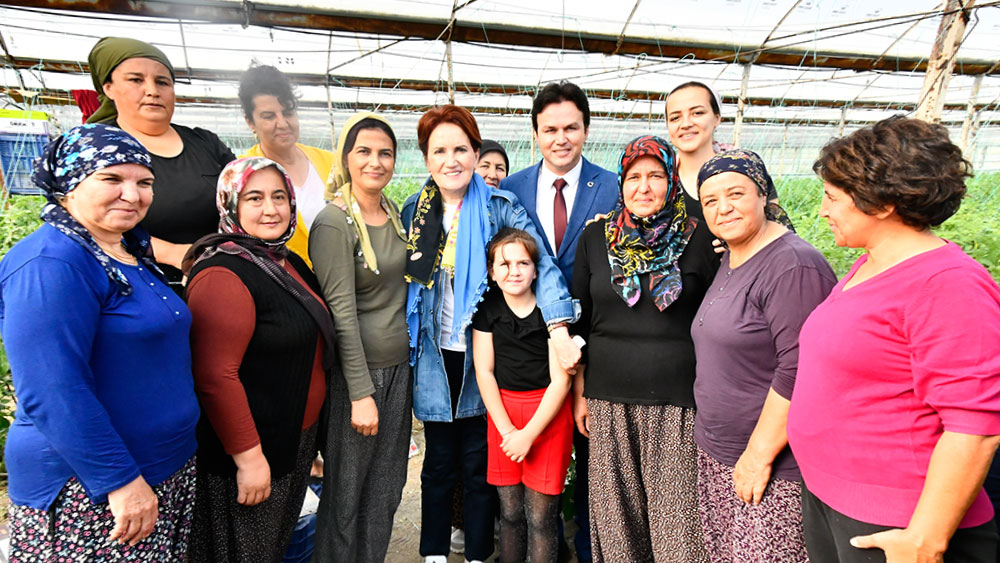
(746, 343)
(896, 411)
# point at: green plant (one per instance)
(19, 219)
(399, 190)
(976, 226)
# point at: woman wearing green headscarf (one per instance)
(135, 84)
(358, 249)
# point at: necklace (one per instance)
(119, 253)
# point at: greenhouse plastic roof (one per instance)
(893, 30)
(391, 55)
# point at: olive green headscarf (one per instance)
(338, 190)
(107, 54)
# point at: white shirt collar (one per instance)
(546, 177)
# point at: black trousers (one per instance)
(453, 447)
(581, 496)
(828, 534)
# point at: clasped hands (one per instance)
(516, 443)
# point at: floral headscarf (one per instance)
(653, 244)
(232, 180)
(233, 239)
(752, 166)
(66, 162)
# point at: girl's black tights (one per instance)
(528, 525)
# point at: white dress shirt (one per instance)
(545, 198)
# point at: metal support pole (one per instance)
(329, 104)
(942, 60)
(970, 113)
(740, 105)
(451, 76)
(781, 155)
(447, 53)
(187, 64)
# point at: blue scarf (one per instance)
(470, 255)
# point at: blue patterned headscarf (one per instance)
(653, 244)
(66, 162)
(751, 165)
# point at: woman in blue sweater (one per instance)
(100, 454)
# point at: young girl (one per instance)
(530, 430)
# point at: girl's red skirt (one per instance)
(544, 468)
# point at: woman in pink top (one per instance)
(895, 414)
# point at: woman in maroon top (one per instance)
(262, 342)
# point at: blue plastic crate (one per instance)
(17, 159)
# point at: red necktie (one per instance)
(559, 212)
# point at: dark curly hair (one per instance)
(269, 81)
(908, 164)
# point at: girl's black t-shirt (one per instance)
(520, 346)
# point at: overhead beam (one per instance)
(75, 67)
(269, 15)
(64, 98)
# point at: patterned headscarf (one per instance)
(107, 54)
(653, 244)
(752, 166)
(71, 158)
(232, 180)
(339, 191)
(232, 237)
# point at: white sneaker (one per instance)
(457, 540)
(435, 559)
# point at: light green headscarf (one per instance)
(338, 191)
(107, 54)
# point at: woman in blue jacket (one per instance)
(100, 454)
(450, 221)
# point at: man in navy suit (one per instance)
(561, 193)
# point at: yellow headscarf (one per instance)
(338, 190)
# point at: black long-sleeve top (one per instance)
(639, 355)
